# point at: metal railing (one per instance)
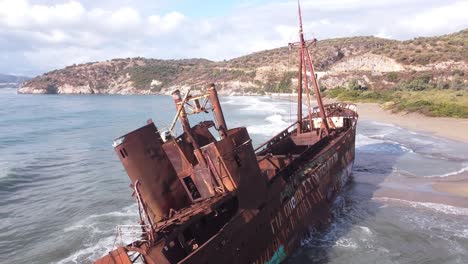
(130, 233)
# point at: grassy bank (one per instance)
(430, 102)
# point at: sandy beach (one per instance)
(455, 186)
(451, 128)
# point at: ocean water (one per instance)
(63, 190)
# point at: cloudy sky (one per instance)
(42, 35)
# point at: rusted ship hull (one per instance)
(294, 209)
(279, 192)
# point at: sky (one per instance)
(37, 36)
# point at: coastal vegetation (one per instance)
(416, 95)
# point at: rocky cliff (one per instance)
(372, 62)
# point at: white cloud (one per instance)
(164, 24)
(47, 36)
(439, 20)
(20, 14)
(125, 18)
(69, 13)
(54, 36)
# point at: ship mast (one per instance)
(305, 63)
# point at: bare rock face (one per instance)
(31, 90)
(373, 62)
(367, 62)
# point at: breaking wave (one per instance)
(90, 254)
(452, 173)
(371, 144)
(262, 105)
(275, 123)
(441, 208)
(101, 234)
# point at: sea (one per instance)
(63, 190)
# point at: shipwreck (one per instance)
(208, 197)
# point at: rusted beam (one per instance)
(306, 61)
(180, 105)
(176, 96)
(317, 93)
(299, 96)
(218, 111)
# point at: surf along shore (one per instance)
(451, 128)
(446, 127)
(455, 185)
(451, 189)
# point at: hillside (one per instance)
(7, 80)
(371, 63)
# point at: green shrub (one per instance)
(354, 85)
(420, 83)
(428, 102)
(457, 83)
(432, 108)
(392, 76)
(284, 85)
(142, 76)
(458, 72)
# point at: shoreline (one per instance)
(451, 190)
(445, 127)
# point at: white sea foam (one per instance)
(127, 211)
(276, 119)
(256, 105)
(100, 223)
(93, 250)
(462, 233)
(274, 125)
(227, 102)
(379, 145)
(362, 140)
(346, 243)
(451, 173)
(91, 226)
(379, 136)
(366, 230)
(442, 208)
(386, 124)
(91, 221)
(421, 141)
(401, 145)
(402, 172)
(90, 254)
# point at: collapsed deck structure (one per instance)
(207, 197)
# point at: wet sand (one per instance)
(458, 188)
(451, 128)
(449, 193)
(451, 190)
